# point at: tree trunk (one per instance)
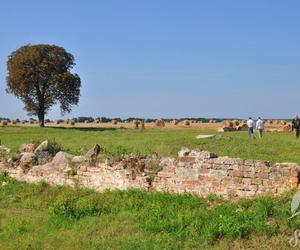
(42, 118)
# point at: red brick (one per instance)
(263, 175)
(204, 178)
(294, 180)
(237, 173)
(204, 171)
(246, 181)
(188, 159)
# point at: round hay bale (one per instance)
(4, 123)
(97, 121)
(57, 122)
(160, 123)
(227, 124)
(235, 122)
(13, 122)
(86, 121)
(72, 122)
(242, 126)
(136, 123)
(114, 122)
(287, 128)
(174, 122)
(187, 123)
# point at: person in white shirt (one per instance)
(260, 127)
(250, 124)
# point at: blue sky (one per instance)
(164, 58)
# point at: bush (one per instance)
(53, 147)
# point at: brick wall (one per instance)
(198, 172)
(204, 173)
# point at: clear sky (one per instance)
(165, 58)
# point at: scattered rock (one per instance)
(42, 147)
(27, 148)
(78, 159)
(4, 150)
(27, 160)
(91, 155)
(204, 136)
(62, 158)
(183, 152)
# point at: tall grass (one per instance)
(37, 216)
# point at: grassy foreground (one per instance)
(278, 147)
(37, 216)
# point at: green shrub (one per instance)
(53, 147)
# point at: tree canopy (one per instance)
(40, 76)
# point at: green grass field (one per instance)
(277, 147)
(37, 216)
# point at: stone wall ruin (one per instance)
(195, 171)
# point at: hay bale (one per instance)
(160, 123)
(226, 129)
(283, 122)
(4, 123)
(72, 122)
(14, 122)
(227, 124)
(242, 127)
(136, 123)
(236, 122)
(187, 123)
(114, 122)
(174, 122)
(57, 122)
(287, 128)
(97, 121)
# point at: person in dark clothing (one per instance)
(296, 126)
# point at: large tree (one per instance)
(40, 76)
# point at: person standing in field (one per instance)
(296, 126)
(260, 127)
(250, 124)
